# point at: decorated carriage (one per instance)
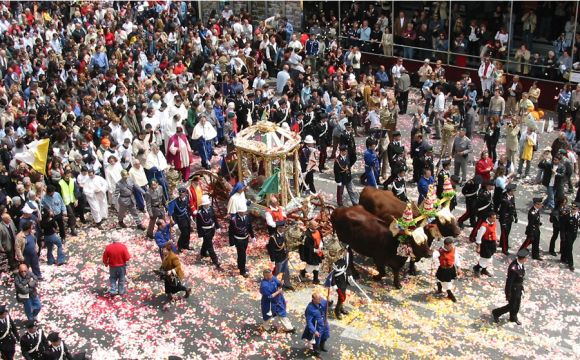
(268, 162)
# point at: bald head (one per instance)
(23, 268)
(316, 297)
(6, 218)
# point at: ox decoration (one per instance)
(408, 227)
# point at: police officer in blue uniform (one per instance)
(181, 214)
(207, 224)
(514, 287)
(399, 187)
(279, 253)
(240, 232)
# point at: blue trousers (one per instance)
(159, 176)
(372, 176)
(139, 198)
(31, 259)
(51, 241)
(549, 202)
(32, 307)
(282, 267)
(117, 279)
(205, 150)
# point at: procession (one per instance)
(188, 182)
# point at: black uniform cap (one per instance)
(30, 324)
(523, 253)
(53, 337)
(511, 187)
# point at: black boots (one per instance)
(451, 296)
(339, 310)
(439, 288)
(322, 347)
(476, 269)
(122, 224)
(315, 278)
(412, 268)
(485, 272)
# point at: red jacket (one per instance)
(116, 254)
(484, 168)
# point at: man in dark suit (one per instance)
(507, 216)
(7, 241)
(533, 229)
(343, 176)
(240, 232)
(514, 287)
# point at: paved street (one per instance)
(219, 320)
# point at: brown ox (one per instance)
(370, 236)
(385, 205)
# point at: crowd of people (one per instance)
(435, 29)
(127, 91)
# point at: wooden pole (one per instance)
(267, 166)
(297, 171)
(282, 181)
(240, 166)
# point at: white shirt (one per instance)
(297, 45)
(480, 234)
(457, 261)
(281, 81)
(374, 119)
(396, 71)
(270, 220)
(439, 104)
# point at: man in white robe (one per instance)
(95, 189)
(113, 175)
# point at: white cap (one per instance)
(427, 61)
(205, 200)
(309, 140)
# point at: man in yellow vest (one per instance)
(69, 191)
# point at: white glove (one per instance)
(350, 280)
(338, 184)
(334, 287)
(194, 212)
